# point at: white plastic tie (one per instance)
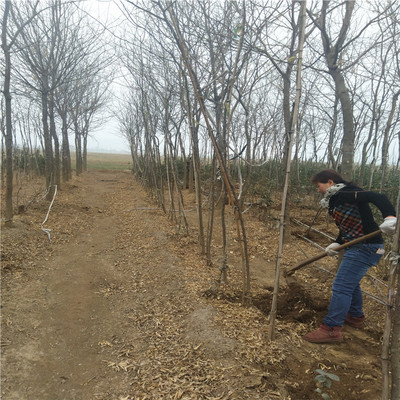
(45, 230)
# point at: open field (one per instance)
(106, 161)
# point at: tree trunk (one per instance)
(78, 151)
(274, 306)
(48, 146)
(332, 161)
(391, 336)
(53, 134)
(65, 153)
(211, 212)
(364, 153)
(287, 115)
(385, 144)
(348, 124)
(197, 183)
(332, 56)
(395, 343)
(191, 176)
(8, 211)
(84, 151)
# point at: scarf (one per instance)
(329, 193)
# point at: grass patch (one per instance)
(107, 161)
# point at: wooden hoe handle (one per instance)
(291, 270)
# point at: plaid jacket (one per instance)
(352, 213)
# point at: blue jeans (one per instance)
(346, 291)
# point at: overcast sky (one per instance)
(107, 138)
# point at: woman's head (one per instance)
(326, 175)
(327, 178)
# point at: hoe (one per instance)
(290, 271)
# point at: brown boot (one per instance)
(325, 334)
(355, 322)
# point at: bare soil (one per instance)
(116, 305)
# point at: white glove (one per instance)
(330, 250)
(388, 225)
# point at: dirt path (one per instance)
(113, 308)
(61, 318)
(94, 314)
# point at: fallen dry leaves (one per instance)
(176, 343)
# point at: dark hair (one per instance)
(327, 174)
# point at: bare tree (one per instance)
(52, 52)
(7, 40)
(8, 212)
(240, 73)
(339, 39)
(302, 23)
(132, 128)
(333, 52)
(87, 96)
(393, 79)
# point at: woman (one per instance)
(348, 205)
